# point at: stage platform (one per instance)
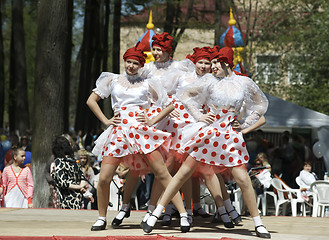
(75, 224)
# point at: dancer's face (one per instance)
(132, 66)
(202, 67)
(20, 158)
(159, 55)
(220, 69)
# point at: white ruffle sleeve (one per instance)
(255, 102)
(158, 94)
(185, 65)
(104, 84)
(195, 95)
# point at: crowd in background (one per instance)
(286, 160)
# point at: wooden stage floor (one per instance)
(56, 222)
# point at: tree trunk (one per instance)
(93, 51)
(218, 21)
(68, 66)
(18, 69)
(88, 48)
(116, 37)
(50, 75)
(170, 12)
(2, 71)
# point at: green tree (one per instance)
(298, 29)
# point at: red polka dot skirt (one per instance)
(131, 137)
(173, 125)
(218, 144)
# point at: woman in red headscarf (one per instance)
(130, 136)
(216, 144)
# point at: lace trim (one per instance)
(163, 64)
(130, 81)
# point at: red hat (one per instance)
(200, 53)
(164, 41)
(136, 53)
(214, 52)
(226, 55)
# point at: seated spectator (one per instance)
(67, 175)
(18, 182)
(307, 177)
(261, 177)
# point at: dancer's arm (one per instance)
(94, 107)
(144, 119)
(261, 121)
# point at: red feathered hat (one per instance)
(200, 53)
(136, 53)
(214, 52)
(164, 41)
(225, 54)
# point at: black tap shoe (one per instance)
(262, 235)
(116, 222)
(99, 228)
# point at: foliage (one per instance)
(299, 30)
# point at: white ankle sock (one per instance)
(223, 214)
(122, 212)
(259, 222)
(184, 219)
(154, 217)
(99, 221)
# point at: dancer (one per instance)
(17, 182)
(129, 137)
(216, 144)
(168, 72)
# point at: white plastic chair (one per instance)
(320, 191)
(262, 198)
(293, 196)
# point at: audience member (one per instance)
(25, 143)
(67, 175)
(307, 177)
(18, 182)
(88, 173)
(261, 178)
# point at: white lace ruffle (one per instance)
(234, 93)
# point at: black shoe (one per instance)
(166, 223)
(262, 235)
(203, 215)
(185, 229)
(227, 224)
(236, 220)
(99, 228)
(147, 228)
(215, 218)
(116, 222)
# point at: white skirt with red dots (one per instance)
(173, 126)
(218, 144)
(130, 139)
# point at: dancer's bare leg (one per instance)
(214, 187)
(243, 180)
(184, 173)
(187, 193)
(235, 216)
(103, 190)
(129, 188)
(197, 208)
(161, 173)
